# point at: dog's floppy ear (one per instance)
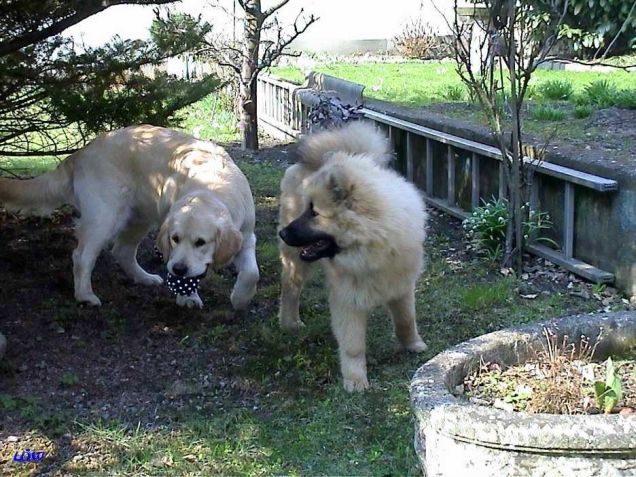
(163, 240)
(340, 186)
(228, 243)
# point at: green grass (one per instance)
(420, 84)
(545, 112)
(291, 416)
(212, 117)
(600, 93)
(582, 111)
(28, 166)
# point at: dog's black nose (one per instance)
(283, 234)
(179, 269)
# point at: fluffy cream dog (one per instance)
(128, 181)
(341, 205)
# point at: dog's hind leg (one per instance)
(402, 311)
(294, 274)
(248, 275)
(103, 213)
(92, 237)
(350, 329)
(125, 252)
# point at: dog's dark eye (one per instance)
(175, 238)
(199, 243)
(311, 210)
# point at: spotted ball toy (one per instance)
(184, 286)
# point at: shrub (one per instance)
(419, 41)
(556, 89)
(600, 93)
(626, 98)
(583, 111)
(544, 112)
(533, 92)
(486, 226)
(453, 92)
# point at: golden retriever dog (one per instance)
(129, 181)
(342, 206)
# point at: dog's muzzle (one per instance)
(313, 244)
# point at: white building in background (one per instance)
(344, 25)
(347, 26)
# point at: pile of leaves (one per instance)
(561, 379)
(331, 112)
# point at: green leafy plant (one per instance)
(600, 93)
(625, 98)
(545, 112)
(556, 89)
(583, 111)
(608, 393)
(453, 92)
(591, 24)
(69, 379)
(486, 226)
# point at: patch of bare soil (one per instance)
(606, 137)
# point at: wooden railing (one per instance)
(430, 159)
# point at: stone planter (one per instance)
(454, 437)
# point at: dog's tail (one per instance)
(40, 195)
(358, 137)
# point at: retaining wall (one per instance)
(592, 203)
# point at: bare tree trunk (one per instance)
(247, 90)
(248, 60)
(248, 117)
(516, 195)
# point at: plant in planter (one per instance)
(457, 436)
(608, 393)
(560, 379)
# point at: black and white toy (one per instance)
(183, 287)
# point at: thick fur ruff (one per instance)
(377, 220)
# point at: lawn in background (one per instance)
(420, 84)
(436, 85)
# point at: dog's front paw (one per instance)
(149, 279)
(192, 301)
(292, 325)
(239, 303)
(89, 299)
(417, 346)
(355, 383)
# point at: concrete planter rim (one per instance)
(434, 404)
